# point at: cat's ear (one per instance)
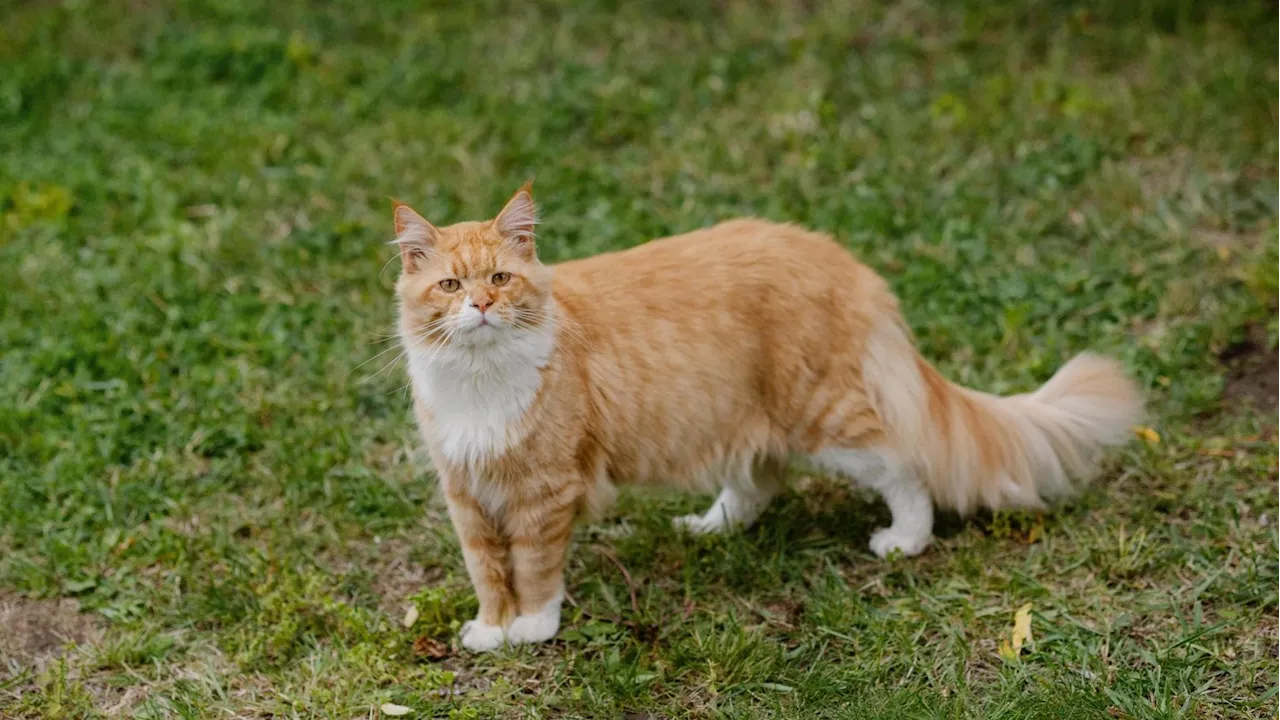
(518, 218)
(415, 236)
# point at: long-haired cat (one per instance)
(709, 359)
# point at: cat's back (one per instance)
(746, 254)
(721, 335)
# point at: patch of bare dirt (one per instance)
(1226, 244)
(395, 574)
(1252, 378)
(821, 493)
(398, 578)
(35, 631)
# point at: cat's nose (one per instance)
(482, 304)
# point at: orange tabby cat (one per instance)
(708, 359)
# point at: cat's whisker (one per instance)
(379, 339)
(443, 342)
(375, 357)
(422, 333)
(402, 388)
(383, 369)
(384, 265)
(531, 319)
(436, 324)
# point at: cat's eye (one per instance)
(500, 278)
(450, 285)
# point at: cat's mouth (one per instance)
(482, 323)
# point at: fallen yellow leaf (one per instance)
(411, 616)
(1147, 434)
(1007, 652)
(1011, 647)
(1021, 627)
(1036, 532)
(394, 710)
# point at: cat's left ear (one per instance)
(518, 218)
(415, 236)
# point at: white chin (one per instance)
(480, 333)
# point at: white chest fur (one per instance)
(478, 395)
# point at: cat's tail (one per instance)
(973, 449)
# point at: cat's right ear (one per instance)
(415, 236)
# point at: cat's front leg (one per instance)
(485, 552)
(540, 527)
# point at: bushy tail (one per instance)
(973, 449)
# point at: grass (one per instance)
(208, 479)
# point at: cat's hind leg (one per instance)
(911, 530)
(745, 495)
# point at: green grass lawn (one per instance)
(211, 502)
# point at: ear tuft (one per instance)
(415, 236)
(519, 217)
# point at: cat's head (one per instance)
(471, 284)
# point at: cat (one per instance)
(708, 360)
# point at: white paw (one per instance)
(886, 541)
(697, 525)
(534, 628)
(477, 636)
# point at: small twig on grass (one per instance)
(688, 609)
(631, 586)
